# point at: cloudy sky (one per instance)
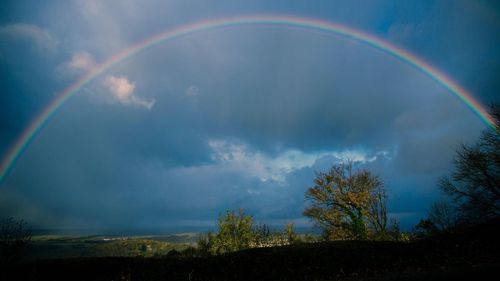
(236, 116)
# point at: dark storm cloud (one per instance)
(468, 52)
(27, 53)
(242, 117)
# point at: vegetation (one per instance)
(472, 254)
(475, 183)
(442, 215)
(348, 204)
(14, 238)
(290, 234)
(236, 231)
(136, 248)
(424, 228)
(473, 188)
(58, 246)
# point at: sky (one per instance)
(233, 117)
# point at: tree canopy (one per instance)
(346, 203)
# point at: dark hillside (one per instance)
(468, 254)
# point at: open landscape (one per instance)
(467, 254)
(60, 246)
(145, 140)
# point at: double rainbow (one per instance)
(37, 124)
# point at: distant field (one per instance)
(66, 246)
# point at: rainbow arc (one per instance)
(23, 141)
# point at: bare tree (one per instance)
(377, 215)
(443, 215)
(475, 183)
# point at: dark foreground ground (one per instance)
(469, 254)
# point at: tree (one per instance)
(425, 228)
(475, 183)
(235, 232)
(440, 218)
(345, 202)
(14, 238)
(442, 214)
(290, 234)
(377, 214)
(262, 235)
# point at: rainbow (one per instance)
(38, 123)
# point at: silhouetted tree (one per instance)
(394, 232)
(443, 215)
(14, 238)
(475, 183)
(344, 202)
(424, 228)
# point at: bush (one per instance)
(205, 244)
(189, 252)
(173, 253)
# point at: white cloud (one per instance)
(42, 38)
(81, 61)
(238, 156)
(122, 91)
